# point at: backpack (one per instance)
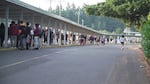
(40, 33)
(23, 31)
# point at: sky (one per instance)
(45, 4)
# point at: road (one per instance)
(72, 65)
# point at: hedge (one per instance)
(145, 30)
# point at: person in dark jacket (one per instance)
(13, 34)
(2, 34)
(23, 35)
(28, 30)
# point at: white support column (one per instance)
(68, 39)
(41, 28)
(48, 37)
(41, 23)
(73, 42)
(6, 27)
(71, 39)
(79, 38)
(118, 39)
(55, 36)
(76, 38)
(32, 22)
(32, 25)
(21, 15)
(65, 28)
(59, 40)
(60, 29)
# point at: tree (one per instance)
(118, 30)
(92, 21)
(131, 11)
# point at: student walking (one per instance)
(122, 39)
(103, 40)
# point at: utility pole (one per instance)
(60, 7)
(78, 16)
(50, 7)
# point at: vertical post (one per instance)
(65, 27)
(77, 38)
(79, 16)
(68, 39)
(0, 20)
(60, 40)
(55, 35)
(72, 39)
(48, 37)
(71, 33)
(60, 7)
(50, 7)
(32, 23)
(86, 39)
(118, 39)
(41, 30)
(41, 24)
(21, 15)
(6, 27)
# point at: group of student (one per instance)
(21, 35)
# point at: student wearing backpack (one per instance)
(28, 39)
(122, 40)
(23, 35)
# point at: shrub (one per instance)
(146, 38)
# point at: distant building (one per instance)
(133, 37)
(128, 31)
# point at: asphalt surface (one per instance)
(72, 65)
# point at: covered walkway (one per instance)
(61, 31)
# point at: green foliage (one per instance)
(118, 31)
(131, 11)
(146, 38)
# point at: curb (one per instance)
(7, 49)
(142, 53)
(52, 46)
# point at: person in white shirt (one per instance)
(122, 39)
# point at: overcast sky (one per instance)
(45, 4)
